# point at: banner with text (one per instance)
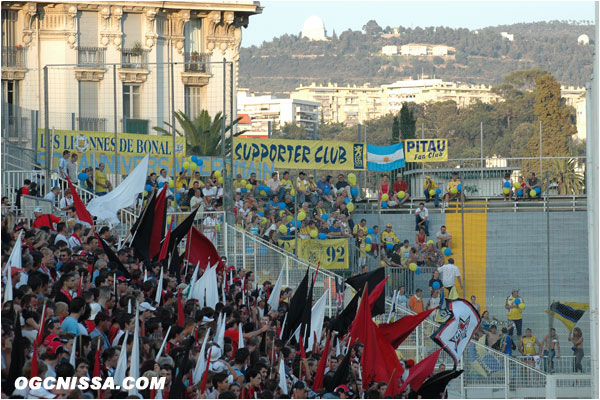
(302, 154)
(426, 150)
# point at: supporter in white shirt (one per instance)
(163, 177)
(51, 195)
(65, 202)
(209, 192)
(62, 230)
(448, 274)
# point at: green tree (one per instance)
(202, 134)
(557, 128)
(407, 123)
(396, 130)
(372, 28)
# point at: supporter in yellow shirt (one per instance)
(362, 226)
(181, 182)
(286, 181)
(453, 184)
(528, 343)
(102, 183)
(196, 178)
(428, 186)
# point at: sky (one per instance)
(280, 17)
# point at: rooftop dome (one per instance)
(583, 39)
(314, 28)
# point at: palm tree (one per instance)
(202, 134)
(569, 176)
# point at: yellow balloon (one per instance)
(301, 216)
(289, 218)
(193, 166)
(521, 306)
(283, 229)
(352, 178)
(186, 165)
(350, 207)
(171, 184)
(281, 212)
(249, 186)
(385, 197)
(218, 227)
(401, 194)
(145, 195)
(173, 204)
(412, 267)
(220, 179)
(506, 190)
(314, 233)
(443, 250)
(217, 173)
(263, 193)
(292, 192)
(432, 192)
(243, 182)
(368, 247)
(429, 242)
(454, 190)
(263, 221)
(533, 193)
(517, 185)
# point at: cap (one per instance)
(342, 388)
(54, 348)
(206, 319)
(182, 286)
(410, 363)
(82, 253)
(299, 385)
(101, 317)
(37, 209)
(40, 393)
(311, 176)
(388, 225)
(51, 338)
(406, 241)
(515, 290)
(145, 306)
(427, 177)
(215, 353)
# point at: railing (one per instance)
(134, 58)
(134, 125)
(197, 62)
(90, 55)
(13, 57)
(91, 124)
(17, 158)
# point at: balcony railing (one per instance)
(197, 62)
(90, 55)
(91, 124)
(134, 125)
(134, 58)
(13, 56)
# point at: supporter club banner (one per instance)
(332, 253)
(426, 150)
(454, 334)
(302, 154)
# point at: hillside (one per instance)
(482, 56)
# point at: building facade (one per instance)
(117, 65)
(265, 110)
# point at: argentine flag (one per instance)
(385, 158)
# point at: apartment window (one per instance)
(9, 27)
(87, 31)
(193, 36)
(10, 107)
(88, 108)
(132, 30)
(131, 101)
(193, 101)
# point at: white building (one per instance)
(314, 29)
(413, 50)
(114, 62)
(262, 109)
(509, 36)
(389, 50)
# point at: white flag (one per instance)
(454, 334)
(121, 363)
(316, 320)
(124, 195)
(193, 281)
(282, 380)
(145, 274)
(14, 261)
(73, 350)
(134, 363)
(283, 327)
(241, 342)
(160, 287)
(162, 346)
(273, 301)
(201, 363)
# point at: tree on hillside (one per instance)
(407, 123)
(372, 28)
(396, 130)
(557, 128)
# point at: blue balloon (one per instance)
(199, 161)
(370, 231)
(262, 214)
(459, 187)
(195, 159)
(161, 184)
(354, 191)
(438, 191)
(418, 271)
(435, 285)
(298, 224)
(325, 217)
(244, 190)
(346, 200)
(282, 206)
(322, 236)
(266, 189)
(368, 240)
(178, 196)
(517, 301)
(389, 246)
(507, 184)
(384, 204)
(148, 188)
(538, 190)
(83, 176)
(327, 190)
(520, 193)
(259, 187)
(447, 252)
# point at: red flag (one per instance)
(79, 286)
(96, 371)
(318, 383)
(40, 335)
(421, 371)
(201, 249)
(158, 223)
(396, 332)
(82, 212)
(379, 358)
(34, 361)
(203, 387)
(180, 315)
(374, 295)
(302, 350)
(165, 245)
